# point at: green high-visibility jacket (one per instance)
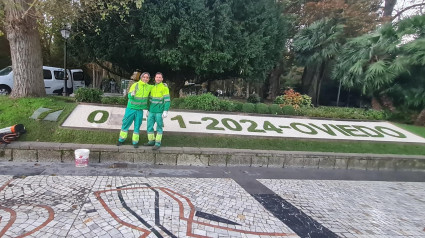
(159, 99)
(140, 100)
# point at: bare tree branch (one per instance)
(407, 8)
(31, 6)
(99, 63)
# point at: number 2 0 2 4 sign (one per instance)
(104, 117)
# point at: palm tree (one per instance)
(374, 62)
(409, 88)
(315, 48)
(408, 91)
(364, 62)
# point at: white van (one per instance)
(53, 80)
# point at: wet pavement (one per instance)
(131, 200)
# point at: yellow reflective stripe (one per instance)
(140, 98)
(151, 137)
(123, 135)
(135, 137)
(158, 138)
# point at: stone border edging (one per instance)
(64, 153)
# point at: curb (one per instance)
(192, 156)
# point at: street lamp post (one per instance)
(65, 32)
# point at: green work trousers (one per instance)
(130, 116)
(155, 117)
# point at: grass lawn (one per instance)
(18, 111)
(417, 130)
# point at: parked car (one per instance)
(53, 80)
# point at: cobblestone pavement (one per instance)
(359, 208)
(52, 205)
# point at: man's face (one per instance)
(145, 78)
(158, 78)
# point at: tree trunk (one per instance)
(420, 120)
(94, 77)
(304, 84)
(25, 48)
(308, 82)
(389, 7)
(387, 103)
(274, 82)
(375, 104)
(319, 82)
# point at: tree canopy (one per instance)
(192, 39)
(21, 20)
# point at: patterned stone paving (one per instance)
(358, 208)
(133, 207)
(128, 204)
(41, 206)
(115, 206)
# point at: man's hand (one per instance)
(164, 114)
(133, 93)
(147, 113)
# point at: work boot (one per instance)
(149, 144)
(156, 147)
(119, 143)
(135, 146)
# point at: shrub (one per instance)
(305, 101)
(238, 106)
(288, 110)
(254, 98)
(108, 100)
(88, 95)
(404, 116)
(177, 103)
(122, 100)
(295, 99)
(115, 100)
(377, 115)
(275, 109)
(248, 107)
(262, 108)
(226, 105)
(206, 102)
(344, 113)
(292, 98)
(279, 100)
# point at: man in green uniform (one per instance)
(137, 102)
(159, 100)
